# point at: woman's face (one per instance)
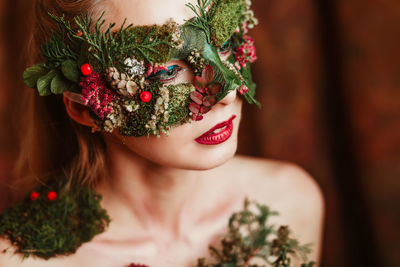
(191, 145)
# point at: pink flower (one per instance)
(96, 95)
(246, 53)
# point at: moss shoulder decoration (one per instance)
(53, 220)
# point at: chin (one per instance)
(213, 156)
(203, 157)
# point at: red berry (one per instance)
(86, 69)
(145, 96)
(34, 195)
(52, 195)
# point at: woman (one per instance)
(168, 197)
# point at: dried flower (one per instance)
(96, 95)
(246, 53)
(134, 67)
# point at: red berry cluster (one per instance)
(52, 195)
(96, 95)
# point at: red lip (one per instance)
(211, 138)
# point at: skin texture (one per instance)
(170, 197)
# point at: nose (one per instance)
(229, 98)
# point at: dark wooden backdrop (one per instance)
(329, 82)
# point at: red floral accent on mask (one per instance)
(205, 95)
(96, 95)
(246, 53)
(243, 89)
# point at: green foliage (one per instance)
(193, 38)
(70, 70)
(47, 228)
(248, 81)
(43, 83)
(221, 73)
(202, 18)
(58, 84)
(60, 71)
(33, 73)
(218, 19)
(225, 17)
(69, 47)
(108, 47)
(62, 45)
(250, 237)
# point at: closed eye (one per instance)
(225, 48)
(167, 75)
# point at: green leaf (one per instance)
(59, 85)
(221, 71)
(248, 81)
(251, 100)
(193, 38)
(70, 70)
(43, 83)
(33, 73)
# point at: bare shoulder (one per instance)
(290, 190)
(7, 254)
(271, 175)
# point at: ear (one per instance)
(78, 112)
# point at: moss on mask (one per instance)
(138, 123)
(178, 106)
(226, 16)
(154, 43)
(135, 123)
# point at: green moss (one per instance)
(179, 102)
(47, 228)
(226, 15)
(153, 43)
(177, 108)
(135, 124)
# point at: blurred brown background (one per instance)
(329, 83)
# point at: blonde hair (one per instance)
(51, 144)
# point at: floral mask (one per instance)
(122, 77)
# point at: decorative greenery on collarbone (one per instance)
(251, 238)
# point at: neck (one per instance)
(157, 196)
